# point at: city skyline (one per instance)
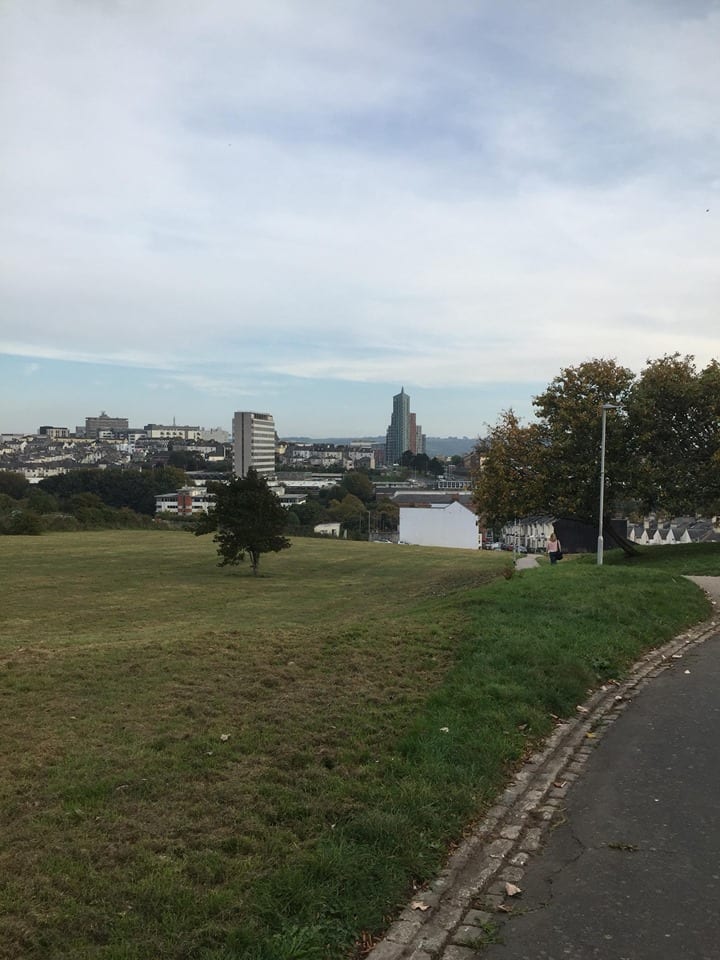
(224, 421)
(103, 420)
(298, 207)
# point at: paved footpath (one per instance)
(607, 844)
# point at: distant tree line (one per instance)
(662, 449)
(421, 463)
(84, 499)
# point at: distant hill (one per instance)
(449, 446)
(436, 446)
(336, 440)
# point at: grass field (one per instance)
(196, 763)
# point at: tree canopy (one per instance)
(135, 489)
(359, 485)
(350, 510)
(421, 463)
(512, 480)
(248, 520)
(674, 421)
(662, 448)
(14, 485)
(570, 423)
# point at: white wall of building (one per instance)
(185, 501)
(327, 529)
(162, 431)
(447, 525)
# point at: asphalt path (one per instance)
(632, 872)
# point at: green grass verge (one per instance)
(199, 764)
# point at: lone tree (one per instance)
(248, 519)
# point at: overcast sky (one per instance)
(299, 207)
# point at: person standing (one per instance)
(554, 551)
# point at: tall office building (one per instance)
(253, 443)
(403, 433)
(412, 434)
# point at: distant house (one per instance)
(652, 532)
(327, 529)
(439, 525)
(184, 502)
(163, 431)
(530, 532)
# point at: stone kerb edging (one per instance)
(496, 852)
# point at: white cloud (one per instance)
(468, 194)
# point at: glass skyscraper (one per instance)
(403, 433)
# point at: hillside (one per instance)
(196, 763)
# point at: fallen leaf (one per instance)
(419, 905)
(504, 908)
(591, 735)
(224, 737)
(511, 890)
(582, 709)
(444, 729)
(559, 783)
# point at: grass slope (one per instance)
(199, 764)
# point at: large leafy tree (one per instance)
(386, 514)
(248, 520)
(553, 464)
(674, 416)
(570, 415)
(510, 480)
(350, 511)
(359, 485)
(14, 485)
(662, 446)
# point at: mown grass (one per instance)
(199, 764)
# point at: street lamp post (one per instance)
(600, 543)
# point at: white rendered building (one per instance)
(163, 431)
(439, 525)
(253, 443)
(184, 502)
